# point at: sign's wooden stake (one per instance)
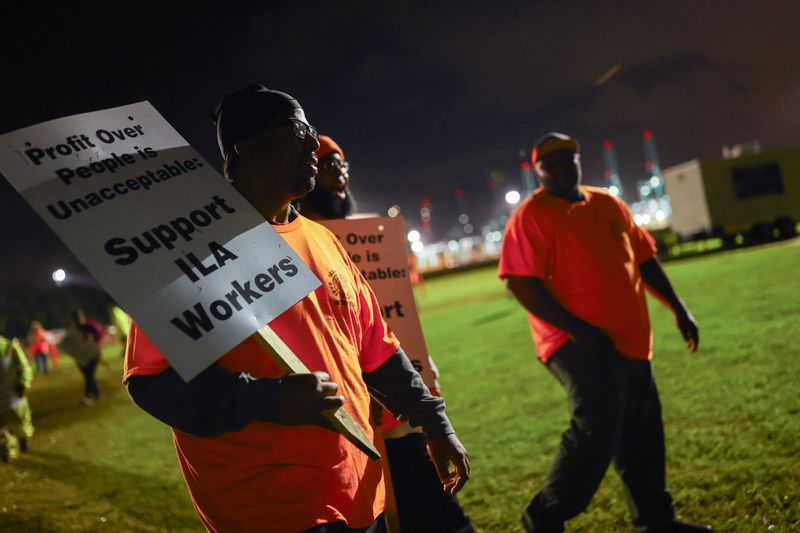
(341, 419)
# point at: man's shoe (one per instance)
(527, 521)
(681, 526)
(534, 527)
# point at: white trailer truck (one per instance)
(754, 195)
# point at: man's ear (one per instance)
(538, 167)
(243, 147)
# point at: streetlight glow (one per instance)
(59, 275)
(414, 236)
(512, 197)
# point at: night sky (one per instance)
(422, 100)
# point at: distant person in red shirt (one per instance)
(423, 505)
(576, 261)
(39, 346)
(254, 450)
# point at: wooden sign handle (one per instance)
(341, 419)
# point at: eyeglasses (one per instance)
(330, 163)
(300, 129)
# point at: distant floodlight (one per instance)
(414, 236)
(463, 218)
(655, 182)
(417, 247)
(646, 218)
(59, 275)
(393, 211)
(512, 197)
(644, 190)
(660, 215)
(468, 228)
(613, 190)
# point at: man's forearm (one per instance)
(399, 388)
(214, 402)
(218, 401)
(658, 284)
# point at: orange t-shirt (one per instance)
(588, 255)
(39, 342)
(272, 477)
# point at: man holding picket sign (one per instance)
(255, 450)
(234, 304)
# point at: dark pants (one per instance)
(615, 415)
(341, 527)
(41, 363)
(422, 504)
(90, 388)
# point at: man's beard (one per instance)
(328, 205)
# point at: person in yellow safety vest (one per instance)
(16, 376)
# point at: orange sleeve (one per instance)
(524, 250)
(378, 342)
(643, 244)
(142, 358)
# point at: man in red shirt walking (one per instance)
(576, 261)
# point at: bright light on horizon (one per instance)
(613, 190)
(655, 182)
(512, 197)
(417, 247)
(414, 236)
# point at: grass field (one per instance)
(731, 414)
